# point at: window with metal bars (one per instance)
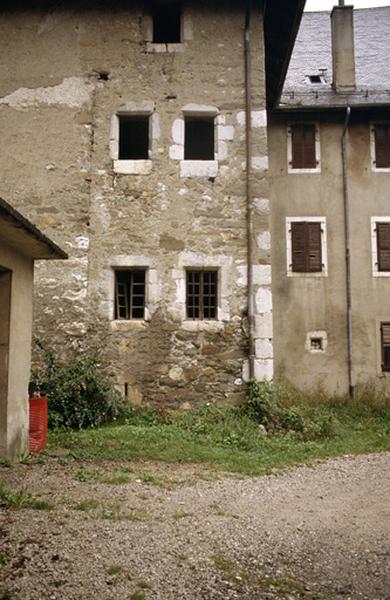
(202, 294)
(306, 251)
(166, 22)
(130, 294)
(303, 146)
(382, 145)
(385, 346)
(383, 246)
(199, 138)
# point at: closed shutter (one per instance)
(383, 246)
(382, 145)
(385, 343)
(306, 247)
(303, 146)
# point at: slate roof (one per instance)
(312, 53)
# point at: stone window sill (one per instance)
(133, 167)
(198, 168)
(202, 325)
(125, 325)
(152, 47)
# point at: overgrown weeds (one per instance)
(18, 499)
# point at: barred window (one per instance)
(130, 294)
(202, 294)
(385, 346)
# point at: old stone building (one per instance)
(329, 148)
(125, 138)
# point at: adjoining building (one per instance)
(329, 176)
(20, 244)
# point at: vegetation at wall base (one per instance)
(298, 428)
(78, 395)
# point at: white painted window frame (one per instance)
(317, 148)
(136, 166)
(374, 246)
(372, 147)
(199, 168)
(186, 33)
(324, 246)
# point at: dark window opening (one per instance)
(130, 294)
(306, 247)
(385, 346)
(382, 145)
(202, 294)
(167, 23)
(315, 78)
(316, 343)
(133, 137)
(199, 138)
(383, 246)
(303, 146)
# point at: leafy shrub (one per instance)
(79, 396)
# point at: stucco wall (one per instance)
(56, 118)
(307, 304)
(14, 409)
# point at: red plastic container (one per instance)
(38, 424)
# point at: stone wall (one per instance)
(65, 74)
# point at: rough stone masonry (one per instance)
(67, 75)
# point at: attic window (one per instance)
(316, 79)
(166, 22)
(133, 137)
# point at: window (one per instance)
(381, 133)
(202, 294)
(303, 147)
(133, 137)
(316, 342)
(199, 138)
(166, 22)
(385, 346)
(130, 294)
(383, 246)
(306, 247)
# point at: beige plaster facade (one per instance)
(67, 76)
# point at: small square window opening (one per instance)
(202, 294)
(199, 138)
(130, 294)
(133, 137)
(166, 22)
(316, 343)
(315, 79)
(382, 145)
(385, 346)
(303, 146)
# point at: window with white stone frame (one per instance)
(303, 148)
(380, 146)
(133, 138)
(306, 246)
(166, 26)
(196, 141)
(380, 246)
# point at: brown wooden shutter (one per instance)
(385, 344)
(303, 145)
(382, 145)
(383, 246)
(306, 247)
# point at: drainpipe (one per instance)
(347, 249)
(249, 220)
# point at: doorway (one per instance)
(5, 314)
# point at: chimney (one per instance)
(343, 48)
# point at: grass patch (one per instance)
(114, 570)
(85, 505)
(300, 428)
(18, 499)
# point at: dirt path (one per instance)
(133, 531)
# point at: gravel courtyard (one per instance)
(150, 530)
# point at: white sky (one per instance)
(328, 4)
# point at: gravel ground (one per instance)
(147, 530)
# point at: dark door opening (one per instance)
(5, 314)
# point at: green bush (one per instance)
(78, 395)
